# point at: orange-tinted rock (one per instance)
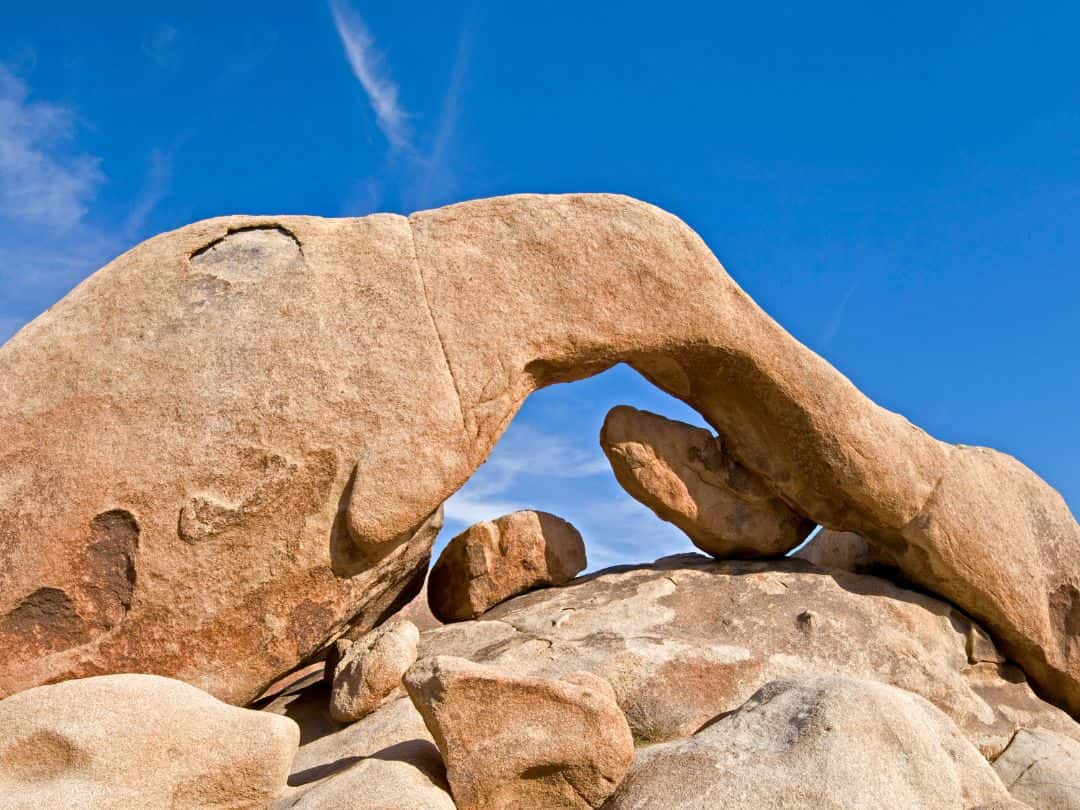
(496, 559)
(686, 477)
(514, 742)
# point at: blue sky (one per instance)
(899, 186)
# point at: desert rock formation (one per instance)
(285, 355)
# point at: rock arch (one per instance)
(392, 352)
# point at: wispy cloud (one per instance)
(41, 184)
(837, 319)
(367, 66)
(438, 179)
(523, 455)
(155, 187)
(48, 241)
(620, 530)
(420, 165)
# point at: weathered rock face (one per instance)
(817, 742)
(686, 477)
(512, 742)
(137, 741)
(1042, 769)
(370, 668)
(496, 559)
(848, 552)
(286, 354)
(687, 639)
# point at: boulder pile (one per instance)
(224, 458)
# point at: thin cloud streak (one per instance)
(366, 64)
(48, 243)
(438, 180)
(837, 319)
(156, 186)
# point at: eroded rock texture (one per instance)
(280, 404)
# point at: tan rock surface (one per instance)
(371, 668)
(496, 559)
(848, 552)
(686, 477)
(515, 743)
(386, 760)
(138, 741)
(305, 368)
(1042, 769)
(818, 741)
(401, 782)
(688, 638)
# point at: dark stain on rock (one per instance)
(111, 554)
(1065, 609)
(45, 622)
(307, 626)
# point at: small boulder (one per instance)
(686, 476)
(369, 669)
(1042, 769)
(138, 741)
(818, 741)
(517, 742)
(847, 551)
(496, 559)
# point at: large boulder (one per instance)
(513, 742)
(369, 669)
(688, 638)
(1042, 769)
(209, 479)
(684, 474)
(138, 741)
(817, 741)
(495, 559)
